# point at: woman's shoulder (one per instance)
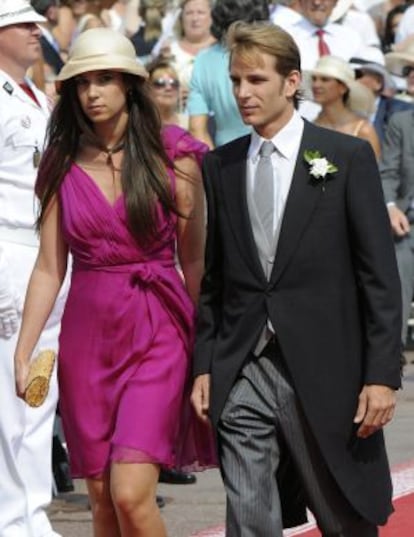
(179, 143)
(179, 52)
(362, 126)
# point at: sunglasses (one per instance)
(407, 70)
(164, 82)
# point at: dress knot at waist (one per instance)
(145, 274)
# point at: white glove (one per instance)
(9, 305)
(9, 321)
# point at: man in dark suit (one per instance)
(296, 357)
(397, 174)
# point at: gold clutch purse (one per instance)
(38, 380)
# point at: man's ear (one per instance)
(292, 83)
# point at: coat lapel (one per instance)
(235, 200)
(301, 202)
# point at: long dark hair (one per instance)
(144, 176)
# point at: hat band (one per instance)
(18, 12)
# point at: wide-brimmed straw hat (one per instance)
(17, 12)
(359, 64)
(396, 61)
(361, 99)
(100, 49)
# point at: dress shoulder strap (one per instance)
(358, 127)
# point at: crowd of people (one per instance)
(184, 186)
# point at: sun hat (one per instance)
(360, 64)
(17, 12)
(396, 61)
(101, 49)
(361, 99)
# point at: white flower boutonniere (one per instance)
(320, 167)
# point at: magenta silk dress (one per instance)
(126, 336)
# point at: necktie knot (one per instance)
(266, 149)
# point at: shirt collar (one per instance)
(286, 140)
(306, 25)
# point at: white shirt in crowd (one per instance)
(341, 40)
(406, 25)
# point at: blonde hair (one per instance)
(178, 27)
(248, 39)
(152, 12)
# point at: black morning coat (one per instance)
(333, 299)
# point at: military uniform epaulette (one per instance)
(8, 87)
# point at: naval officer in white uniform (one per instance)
(25, 433)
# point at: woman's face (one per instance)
(102, 96)
(164, 88)
(196, 20)
(395, 22)
(327, 90)
(79, 7)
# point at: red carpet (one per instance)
(400, 524)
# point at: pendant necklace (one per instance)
(111, 151)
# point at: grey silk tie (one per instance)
(263, 192)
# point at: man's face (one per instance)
(264, 97)
(410, 81)
(52, 13)
(317, 11)
(371, 80)
(19, 45)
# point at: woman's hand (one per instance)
(21, 372)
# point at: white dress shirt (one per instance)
(284, 16)
(363, 24)
(342, 41)
(286, 142)
(406, 25)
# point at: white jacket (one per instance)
(22, 133)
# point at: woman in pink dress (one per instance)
(110, 196)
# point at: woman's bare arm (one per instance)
(44, 285)
(191, 228)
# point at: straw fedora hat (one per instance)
(100, 49)
(361, 99)
(396, 61)
(17, 12)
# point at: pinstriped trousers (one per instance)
(262, 414)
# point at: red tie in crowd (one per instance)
(322, 44)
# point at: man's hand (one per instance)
(9, 319)
(399, 221)
(200, 396)
(375, 408)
